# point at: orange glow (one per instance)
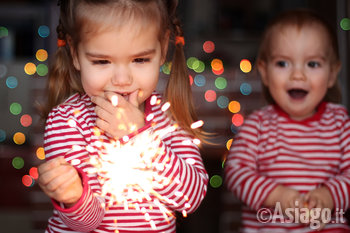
(19, 138)
(40, 153)
(234, 106)
(30, 68)
(245, 65)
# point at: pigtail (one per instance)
(178, 91)
(64, 79)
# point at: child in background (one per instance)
(102, 91)
(295, 152)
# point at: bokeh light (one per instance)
(27, 181)
(44, 31)
(42, 69)
(237, 119)
(210, 95)
(11, 82)
(18, 162)
(216, 64)
(41, 55)
(222, 101)
(345, 24)
(199, 80)
(245, 88)
(234, 106)
(2, 135)
(40, 153)
(33, 172)
(3, 32)
(220, 83)
(191, 79)
(166, 68)
(190, 62)
(215, 181)
(15, 108)
(30, 68)
(26, 120)
(208, 46)
(245, 65)
(19, 138)
(199, 66)
(229, 143)
(3, 70)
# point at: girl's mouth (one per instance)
(125, 96)
(297, 93)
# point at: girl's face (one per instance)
(299, 70)
(124, 60)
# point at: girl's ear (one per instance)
(73, 52)
(262, 68)
(165, 45)
(335, 69)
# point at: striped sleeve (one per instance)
(339, 185)
(241, 175)
(64, 140)
(183, 165)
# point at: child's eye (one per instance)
(100, 62)
(141, 60)
(313, 64)
(281, 64)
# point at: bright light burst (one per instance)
(130, 170)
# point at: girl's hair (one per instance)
(300, 18)
(79, 15)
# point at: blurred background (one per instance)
(221, 36)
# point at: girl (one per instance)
(101, 96)
(294, 154)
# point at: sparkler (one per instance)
(130, 172)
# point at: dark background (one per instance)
(234, 26)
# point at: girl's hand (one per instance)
(287, 197)
(118, 116)
(60, 181)
(317, 200)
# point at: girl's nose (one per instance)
(121, 76)
(298, 74)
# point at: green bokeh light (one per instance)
(215, 181)
(345, 24)
(3, 32)
(220, 83)
(42, 69)
(15, 108)
(17, 162)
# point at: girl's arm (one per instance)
(184, 167)
(339, 185)
(241, 168)
(60, 139)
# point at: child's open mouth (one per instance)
(297, 93)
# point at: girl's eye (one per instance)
(313, 64)
(100, 62)
(141, 60)
(281, 64)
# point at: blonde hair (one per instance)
(64, 79)
(300, 18)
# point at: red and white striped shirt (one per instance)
(71, 129)
(272, 149)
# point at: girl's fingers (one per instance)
(133, 98)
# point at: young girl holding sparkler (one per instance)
(117, 160)
(294, 153)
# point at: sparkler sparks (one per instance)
(130, 170)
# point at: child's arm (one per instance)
(241, 169)
(84, 214)
(339, 185)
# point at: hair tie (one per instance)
(61, 43)
(179, 40)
